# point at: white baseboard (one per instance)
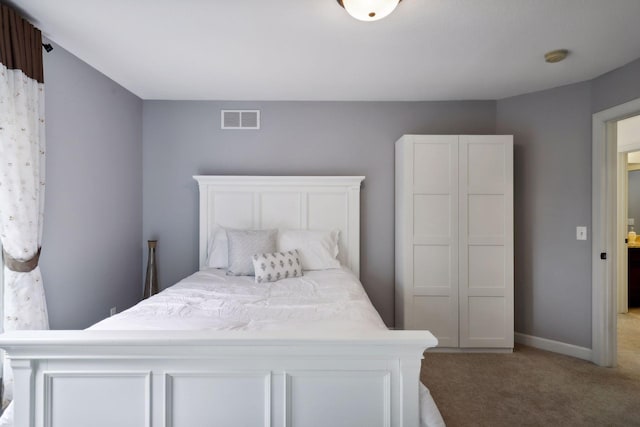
(469, 350)
(555, 346)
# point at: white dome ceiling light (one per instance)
(369, 10)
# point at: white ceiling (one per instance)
(313, 50)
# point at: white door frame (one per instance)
(604, 218)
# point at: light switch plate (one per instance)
(581, 232)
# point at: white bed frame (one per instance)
(228, 378)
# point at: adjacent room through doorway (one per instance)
(628, 262)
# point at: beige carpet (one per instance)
(629, 341)
(532, 387)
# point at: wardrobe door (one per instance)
(486, 241)
(434, 243)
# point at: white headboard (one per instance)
(283, 202)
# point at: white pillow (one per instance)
(218, 250)
(318, 249)
(244, 244)
(276, 266)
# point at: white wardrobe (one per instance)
(454, 238)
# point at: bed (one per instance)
(315, 352)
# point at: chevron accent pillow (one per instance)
(271, 267)
(244, 244)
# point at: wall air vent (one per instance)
(240, 119)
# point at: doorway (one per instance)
(628, 260)
(628, 195)
(606, 228)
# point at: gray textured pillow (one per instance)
(244, 244)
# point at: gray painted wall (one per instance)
(93, 243)
(634, 198)
(552, 185)
(616, 87)
(182, 139)
(91, 255)
(552, 169)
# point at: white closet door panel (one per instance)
(487, 319)
(486, 267)
(486, 215)
(486, 168)
(432, 215)
(432, 159)
(431, 267)
(486, 241)
(434, 191)
(435, 314)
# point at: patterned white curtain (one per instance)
(22, 162)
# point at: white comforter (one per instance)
(209, 299)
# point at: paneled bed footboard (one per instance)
(215, 378)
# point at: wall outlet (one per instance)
(581, 232)
(113, 311)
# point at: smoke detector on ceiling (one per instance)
(556, 55)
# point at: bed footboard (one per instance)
(214, 378)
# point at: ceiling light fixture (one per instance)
(556, 55)
(369, 10)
